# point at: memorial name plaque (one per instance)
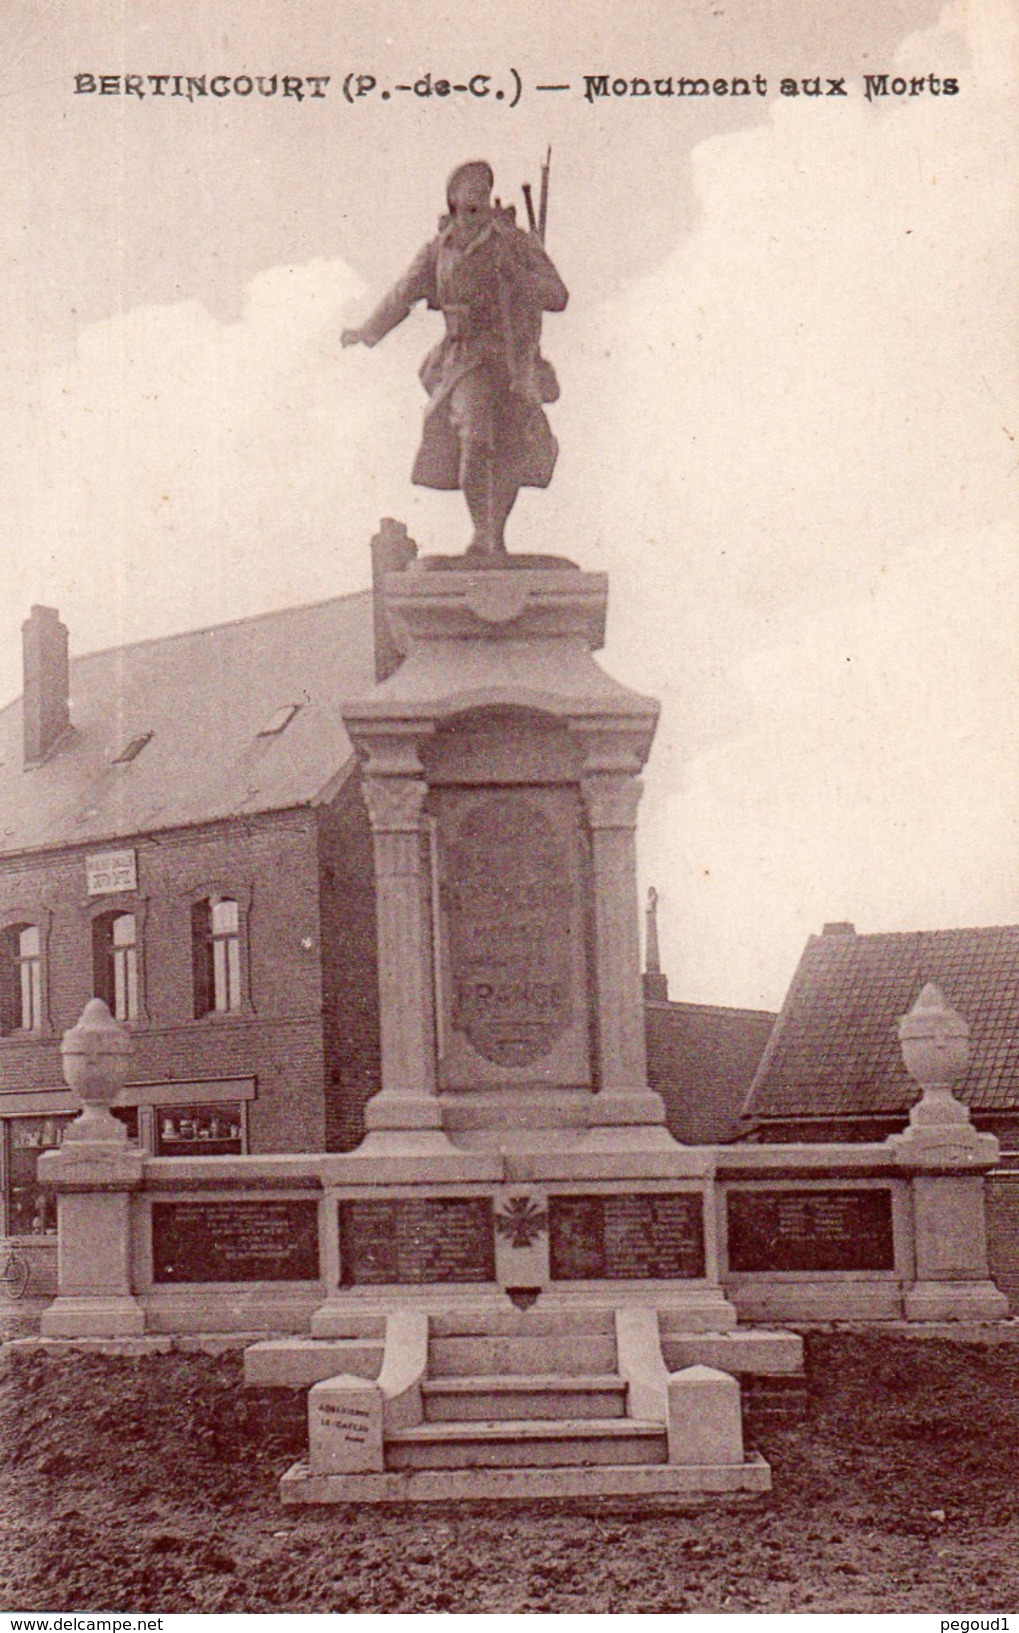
(645, 1235)
(509, 909)
(402, 1240)
(235, 1241)
(811, 1230)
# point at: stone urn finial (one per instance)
(97, 1059)
(934, 1040)
(935, 1049)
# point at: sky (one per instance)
(788, 417)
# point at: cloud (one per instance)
(188, 470)
(874, 779)
(818, 374)
(804, 441)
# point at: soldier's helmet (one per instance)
(472, 170)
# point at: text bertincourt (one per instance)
(192, 86)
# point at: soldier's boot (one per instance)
(478, 482)
(504, 496)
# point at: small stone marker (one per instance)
(705, 1426)
(344, 1426)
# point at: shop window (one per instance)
(199, 1131)
(21, 979)
(115, 963)
(216, 955)
(30, 1206)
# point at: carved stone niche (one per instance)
(512, 937)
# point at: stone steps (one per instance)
(527, 1443)
(525, 1395)
(633, 1484)
(527, 1404)
(479, 1354)
(551, 1316)
(297, 1363)
(746, 1353)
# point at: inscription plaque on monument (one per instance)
(259, 1240)
(508, 901)
(404, 1240)
(811, 1230)
(649, 1234)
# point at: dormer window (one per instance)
(133, 749)
(279, 721)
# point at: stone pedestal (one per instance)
(947, 1160)
(94, 1172)
(501, 770)
(953, 1279)
(95, 1299)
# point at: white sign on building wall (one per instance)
(110, 871)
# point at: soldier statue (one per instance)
(485, 430)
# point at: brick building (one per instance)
(701, 1058)
(181, 832)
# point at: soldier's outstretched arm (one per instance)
(417, 284)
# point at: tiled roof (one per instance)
(204, 696)
(835, 1050)
(701, 1060)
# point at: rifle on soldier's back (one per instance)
(538, 226)
(549, 386)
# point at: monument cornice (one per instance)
(528, 603)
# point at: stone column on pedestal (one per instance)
(611, 799)
(94, 1172)
(407, 1099)
(947, 1159)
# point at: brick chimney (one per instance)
(46, 684)
(392, 551)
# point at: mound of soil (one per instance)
(149, 1485)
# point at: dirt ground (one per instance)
(150, 1485)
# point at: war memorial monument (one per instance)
(519, 1284)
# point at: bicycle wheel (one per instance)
(16, 1274)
